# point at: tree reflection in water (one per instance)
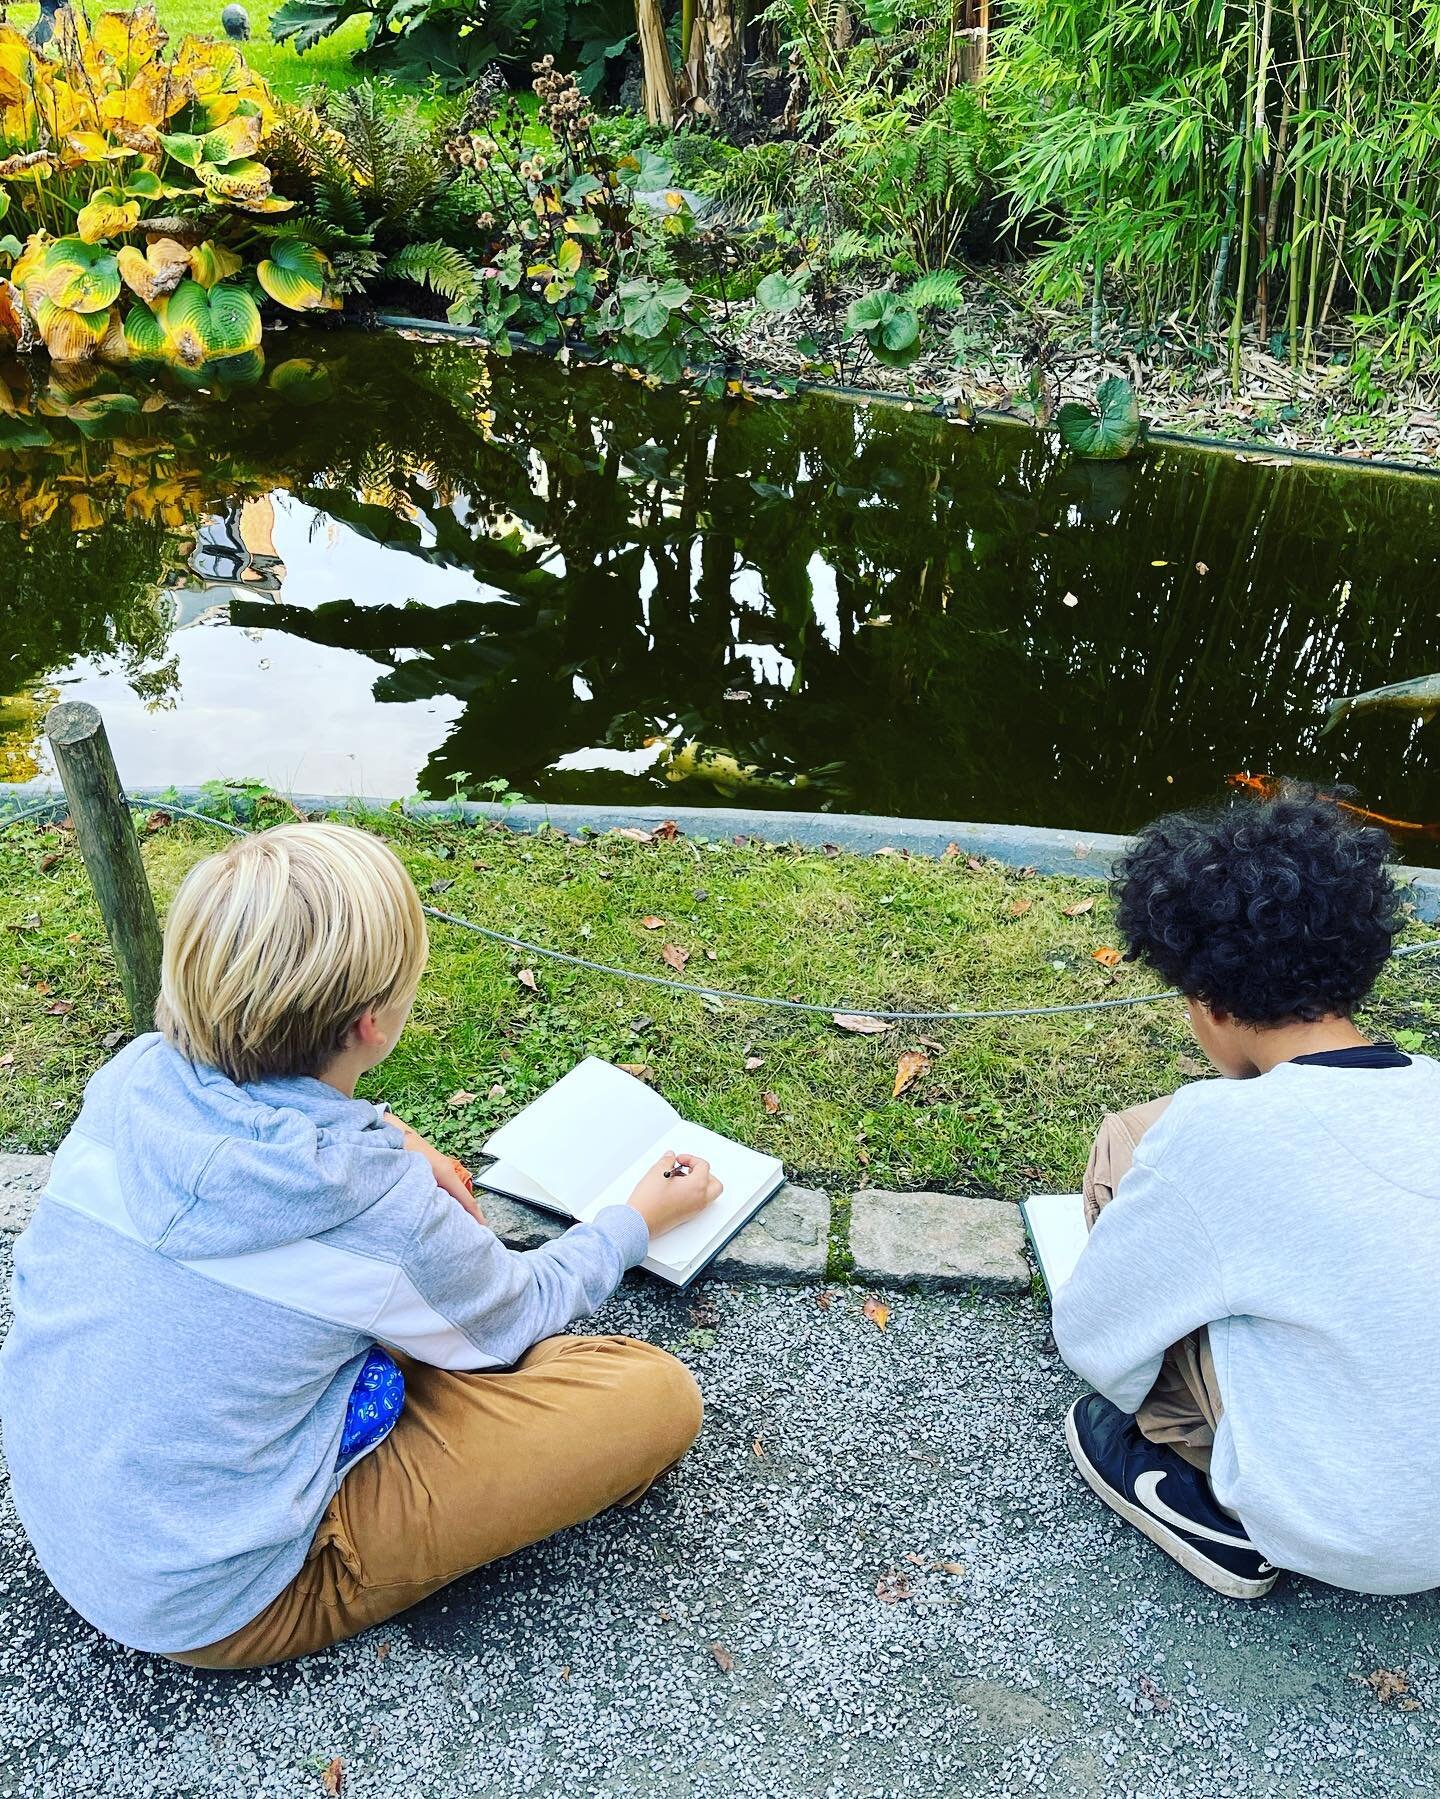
(795, 604)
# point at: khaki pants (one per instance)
(477, 1466)
(1183, 1407)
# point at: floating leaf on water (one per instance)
(1070, 599)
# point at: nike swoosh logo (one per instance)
(1147, 1491)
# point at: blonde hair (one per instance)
(274, 948)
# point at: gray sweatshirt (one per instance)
(1298, 1215)
(201, 1281)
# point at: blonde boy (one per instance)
(271, 1378)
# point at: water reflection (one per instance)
(436, 570)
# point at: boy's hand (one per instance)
(449, 1174)
(666, 1198)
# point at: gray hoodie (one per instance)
(201, 1281)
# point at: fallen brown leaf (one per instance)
(526, 978)
(1019, 907)
(753, 1062)
(640, 1070)
(461, 1097)
(1192, 1067)
(668, 831)
(8, 1059)
(381, 1651)
(111, 1039)
(675, 957)
(1202, 568)
(49, 860)
(1107, 957)
(723, 1658)
(975, 865)
(892, 1587)
(930, 1044)
(652, 923)
(1079, 909)
(758, 1448)
(860, 1023)
(632, 835)
(60, 1007)
(333, 1779)
(157, 821)
(1387, 1684)
(908, 1070)
(42, 988)
(876, 1311)
(950, 1567)
(823, 1300)
(950, 850)
(772, 1103)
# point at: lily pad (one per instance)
(1107, 434)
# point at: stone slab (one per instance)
(519, 1226)
(21, 1180)
(788, 1241)
(938, 1240)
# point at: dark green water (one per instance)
(411, 568)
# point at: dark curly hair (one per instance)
(1271, 910)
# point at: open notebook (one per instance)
(1055, 1224)
(585, 1144)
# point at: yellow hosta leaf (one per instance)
(85, 515)
(128, 38)
(27, 163)
(134, 106)
(93, 146)
(104, 218)
(211, 262)
(156, 271)
(70, 336)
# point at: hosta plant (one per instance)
(135, 178)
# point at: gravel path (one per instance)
(1066, 1656)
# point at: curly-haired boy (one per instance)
(1258, 1292)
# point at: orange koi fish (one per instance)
(1265, 787)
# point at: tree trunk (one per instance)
(655, 56)
(715, 64)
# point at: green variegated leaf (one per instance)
(294, 275)
(79, 276)
(200, 326)
(145, 334)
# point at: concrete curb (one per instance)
(1087, 854)
(928, 1240)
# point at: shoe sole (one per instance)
(1219, 1580)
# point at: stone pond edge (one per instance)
(932, 1241)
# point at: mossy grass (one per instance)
(1004, 1105)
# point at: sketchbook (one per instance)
(585, 1144)
(1055, 1225)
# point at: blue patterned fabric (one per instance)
(376, 1401)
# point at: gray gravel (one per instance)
(1068, 1657)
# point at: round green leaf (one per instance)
(294, 274)
(201, 325)
(1109, 434)
(302, 381)
(145, 335)
(80, 277)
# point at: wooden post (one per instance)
(106, 835)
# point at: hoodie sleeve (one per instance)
(460, 1299)
(1147, 1277)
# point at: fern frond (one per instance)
(440, 267)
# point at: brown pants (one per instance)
(477, 1466)
(1183, 1407)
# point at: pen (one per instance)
(679, 1168)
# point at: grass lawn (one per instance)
(1002, 1106)
(290, 76)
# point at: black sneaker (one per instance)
(1157, 1490)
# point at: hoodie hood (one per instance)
(209, 1168)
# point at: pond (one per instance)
(393, 567)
